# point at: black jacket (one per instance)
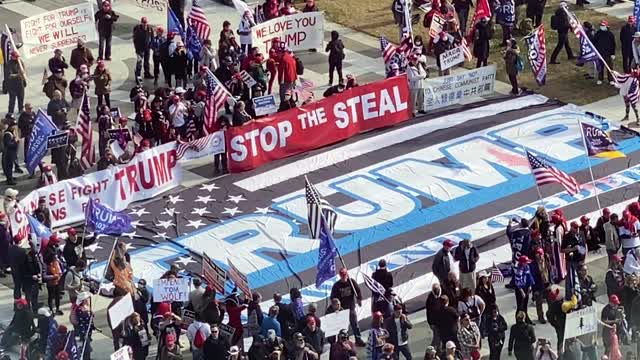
(394, 338)
(384, 277)
(447, 322)
(626, 38)
(18, 259)
(105, 20)
(441, 265)
(522, 337)
(555, 315)
(344, 292)
(562, 21)
(465, 264)
(216, 349)
(433, 308)
(605, 43)
(142, 37)
(314, 339)
(55, 64)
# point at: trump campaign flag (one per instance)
(636, 13)
(598, 143)
(42, 128)
(41, 232)
(537, 54)
(102, 220)
(173, 24)
(326, 255)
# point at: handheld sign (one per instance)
(226, 330)
(213, 274)
(247, 78)
(121, 310)
(121, 354)
(57, 140)
(115, 112)
(114, 134)
(580, 322)
(239, 279)
(332, 323)
(265, 105)
(437, 25)
(188, 317)
(451, 58)
(171, 290)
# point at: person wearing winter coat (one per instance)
(510, 61)
(626, 43)
(560, 23)
(216, 346)
(10, 153)
(442, 44)
(287, 72)
(535, 10)
(16, 81)
(521, 338)
(55, 82)
(136, 336)
(53, 276)
(416, 74)
(506, 18)
(81, 55)
(102, 80)
(313, 336)
(156, 43)
(494, 326)
(254, 315)
(443, 261)
(482, 34)
(335, 48)
(399, 339)
(244, 30)
(105, 18)
(605, 43)
(142, 38)
(208, 55)
(462, 9)
(556, 317)
(57, 61)
(523, 281)
(343, 349)
(447, 321)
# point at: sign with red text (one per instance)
(299, 31)
(58, 29)
(148, 174)
(332, 119)
(239, 279)
(171, 290)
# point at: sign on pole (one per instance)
(265, 105)
(437, 25)
(239, 279)
(451, 58)
(121, 310)
(171, 290)
(213, 274)
(579, 322)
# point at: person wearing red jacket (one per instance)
(274, 60)
(234, 309)
(287, 72)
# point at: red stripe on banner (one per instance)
(330, 120)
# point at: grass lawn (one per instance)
(565, 81)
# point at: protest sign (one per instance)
(213, 274)
(43, 126)
(57, 140)
(117, 134)
(58, 29)
(451, 58)
(121, 310)
(299, 31)
(334, 322)
(115, 113)
(226, 330)
(327, 121)
(188, 317)
(171, 290)
(265, 105)
(581, 322)
(239, 279)
(248, 80)
(437, 25)
(148, 174)
(209, 145)
(452, 89)
(121, 354)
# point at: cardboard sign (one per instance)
(247, 78)
(334, 322)
(226, 330)
(299, 31)
(58, 29)
(239, 279)
(121, 310)
(265, 105)
(451, 58)
(115, 113)
(437, 25)
(188, 317)
(114, 134)
(171, 290)
(57, 140)
(121, 354)
(580, 322)
(213, 274)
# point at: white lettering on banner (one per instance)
(451, 58)
(347, 111)
(299, 31)
(171, 290)
(452, 89)
(267, 139)
(58, 29)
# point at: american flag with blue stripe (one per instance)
(198, 20)
(318, 208)
(216, 97)
(88, 153)
(629, 83)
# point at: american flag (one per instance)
(547, 174)
(388, 49)
(198, 20)
(630, 84)
(88, 153)
(191, 133)
(216, 97)
(373, 285)
(317, 208)
(496, 274)
(465, 49)
(195, 145)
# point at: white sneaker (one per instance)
(612, 83)
(599, 82)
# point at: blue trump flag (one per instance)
(173, 24)
(71, 347)
(326, 255)
(194, 46)
(42, 128)
(102, 220)
(636, 13)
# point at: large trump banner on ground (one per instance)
(58, 29)
(338, 117)
(300, 31)
(148, 174)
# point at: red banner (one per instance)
(333, 119)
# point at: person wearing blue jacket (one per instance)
(523, 282)
(271, 322)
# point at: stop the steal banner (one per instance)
(148, 174)
(338, 117)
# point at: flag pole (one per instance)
(586, 150)
(86, 337)
(224, 88)
(531, 170)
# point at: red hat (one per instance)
(584, 219)
(71, 231)
(558, 212)
(575, 224)
(146, 143)
(18, 237)
(523, 259)
(48, 167)
(3, 216)
(631, 19)
(625, 214)
(62, 355)
(62, 329)
(311, 320)
(144, 20)
(343, 272)
(159, 29)
(21, 302)
(540, 251)
(54, 238)
(606, 211)
(101, 64)
(616, 257)
(123, 120)
(614, 299)
(15, 54)
(163, 308)
(448, 244)
(556, 219)
(604, 22)
(554, 294)
(377, 315)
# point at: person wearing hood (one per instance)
(605, 43)
(560, 23)
(81, 55)
(626, 43)
(335, 48)
(481, 36)
(105, 18)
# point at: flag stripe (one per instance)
(87, 154)
(317, 209)
(546, 174)
(198, 19)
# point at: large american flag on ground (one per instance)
(547, 174)
(317, 207)
(216, 97)
(627, 83)
(198, 20)
(88, 153)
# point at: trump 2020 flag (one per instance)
(42, 128)
(173, 24)
(326, 255)
(102, 220)
(41, 232)
(598, 143)
(537, 54)
(636, 13)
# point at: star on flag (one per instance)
(200, 211)
(174, 199)
(236, 199)
(196, 224)
(209, 187)
(205, 199)
(231, 211)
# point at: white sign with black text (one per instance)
(452, 89)
(451, 58)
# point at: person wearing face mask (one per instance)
(216, 346)
(105, 18)
(57, 61)
(482, 34)
(289, 102)
(605, 43)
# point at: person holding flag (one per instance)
(605, 43)
(343, 290)
(629, 87)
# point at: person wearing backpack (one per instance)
(197, 333)
(471, 304)
(513, 64)
(560, 23)
(335, 48)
